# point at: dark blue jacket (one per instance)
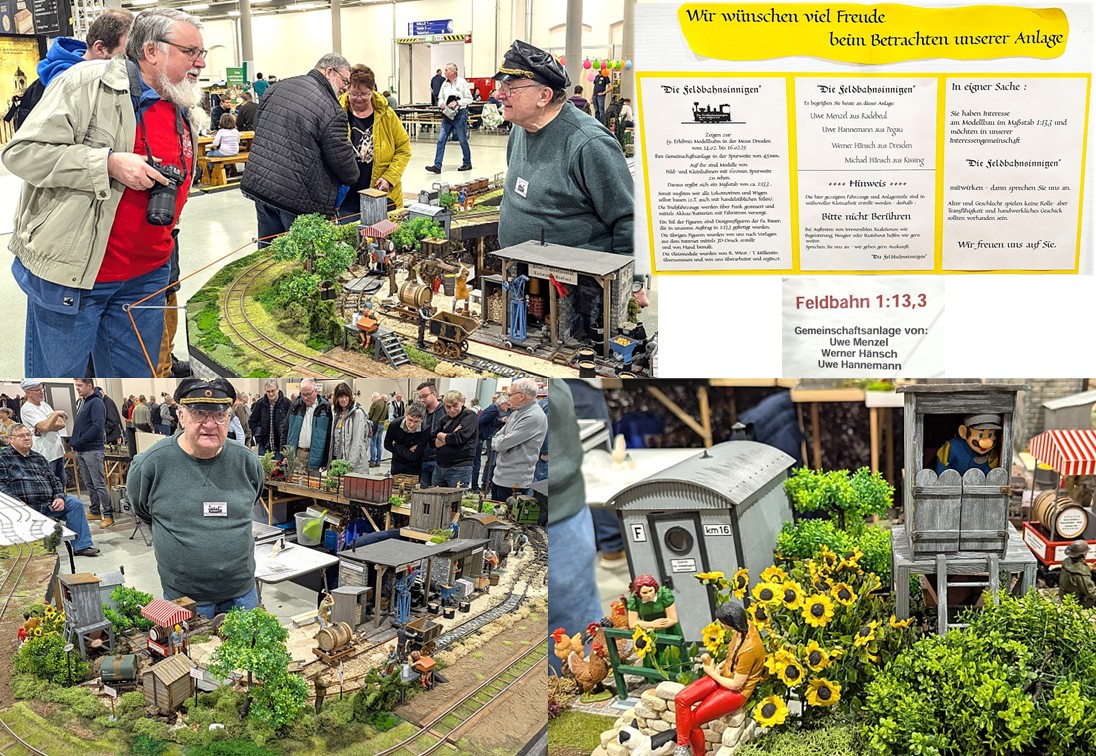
(489, 422)
(321, 427)
(88, 428)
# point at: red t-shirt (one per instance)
(136, 247)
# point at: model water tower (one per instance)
(83, 608)
(374, 207)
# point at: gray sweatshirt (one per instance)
(518, 446)
(199, 553)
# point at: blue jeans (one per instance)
(264, 447)
(607, 529)
(272, 221)
(60, 344)
(489, 468)
(599, 107)
(426, 475)
(376, 445)
(249, 600)
(459, 126)
(540, 472)
(480, 443)
(572, 588)
(453, 476)
(58, 466)
(75, 520)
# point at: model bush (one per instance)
(336, 714)
(80, 701)
(378, 693)
(804, 539)
(44, 656)
(408, 237)
(126, 614)
(826, 633)
(834, 740)
(1021, 679)
(143, 745)
(152, 729)
(844, 497)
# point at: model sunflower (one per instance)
(850, 561)
(767, 593)
(771, 711)
(843, 594)
(710, 578)
(818, 610)
(822, 692)
(790, 671)
(759, 615)
(49, 609)
(777, 659)
(773, 574)
(740, 582)
(791, 594)
(643, 642)
(817, 658)
(713, 637)
(865, 634)
(897, 623)
(828, 558)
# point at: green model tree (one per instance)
(254, 641)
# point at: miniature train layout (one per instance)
(431, 278)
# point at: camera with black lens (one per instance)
(162, 197)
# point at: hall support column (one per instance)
(628, 52)
(336, 26)
(247, 51)
(574, 42)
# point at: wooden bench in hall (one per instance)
(217, 178)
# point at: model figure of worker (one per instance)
(974, 447)
(424, 665)
(516, 289)
(367, 326)
(424, 315)
(462, 293)
(1076, 577)
(393, 659)
(390, 269)
(725, 688)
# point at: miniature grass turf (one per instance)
(573, 733)
(56, 741)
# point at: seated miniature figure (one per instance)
(1076, 577)
(392, 661)
(424, 665)
(367, 326)
(725, 688)
(651, 606)
(975, 446)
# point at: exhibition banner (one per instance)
(891, 139)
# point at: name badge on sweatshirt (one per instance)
(522, 187)
(215, 508)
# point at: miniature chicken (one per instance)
(618, 618)
(564, 644)
(591, 670)
(621, 459)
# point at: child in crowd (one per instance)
(226, 142)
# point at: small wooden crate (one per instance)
(367, 488)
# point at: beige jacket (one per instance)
(67, 204)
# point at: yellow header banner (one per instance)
(872, 34)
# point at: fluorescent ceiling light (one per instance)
(233, 13)
(196, 7)
(144, 2)
(301, 6)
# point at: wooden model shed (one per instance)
(949, 513)
(720, 510)
(434, 508)
(496, 531)
(459, 558)
(167, 684)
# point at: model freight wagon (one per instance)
(720, 510)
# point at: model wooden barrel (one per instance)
(415, 294)
(1062, 516)
(335, 637)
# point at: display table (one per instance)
(291, 563)
(604, 481)
(282, 492)
(1017, 559)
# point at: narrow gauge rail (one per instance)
(18, 746)
(436, 733)
(14, 573)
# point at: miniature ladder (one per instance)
(392, 348)
(942, 585)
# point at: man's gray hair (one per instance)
(525, 386)
(272, 383)
(7, 411)
(417, 409)
(152, 26)
(18, 427)
(332, 60)
(309, 382)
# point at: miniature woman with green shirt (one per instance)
(651, 606)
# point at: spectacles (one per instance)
(19, 435)
(202, 417)
(360, 95)
(194, 53)
(344, 79)
(508, 90)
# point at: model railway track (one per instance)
(234, 311)
(529, 573)
(16, 747)
(437, 732)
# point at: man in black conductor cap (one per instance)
(197, 492)
(566, 174)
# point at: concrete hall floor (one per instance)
(213, 224)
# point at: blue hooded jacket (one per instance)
(64, 53)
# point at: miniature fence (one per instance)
(662, 640)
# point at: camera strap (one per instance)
(135, 90)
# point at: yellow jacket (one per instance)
(391, 145)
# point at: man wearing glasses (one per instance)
(300, 155)
(309, 425)
(90, 238)
(197, 492)
(566, 174)
(25, 475)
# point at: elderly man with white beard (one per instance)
(106, 159)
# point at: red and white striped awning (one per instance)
(1068, 452)
(380, 230)
(165, 613)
